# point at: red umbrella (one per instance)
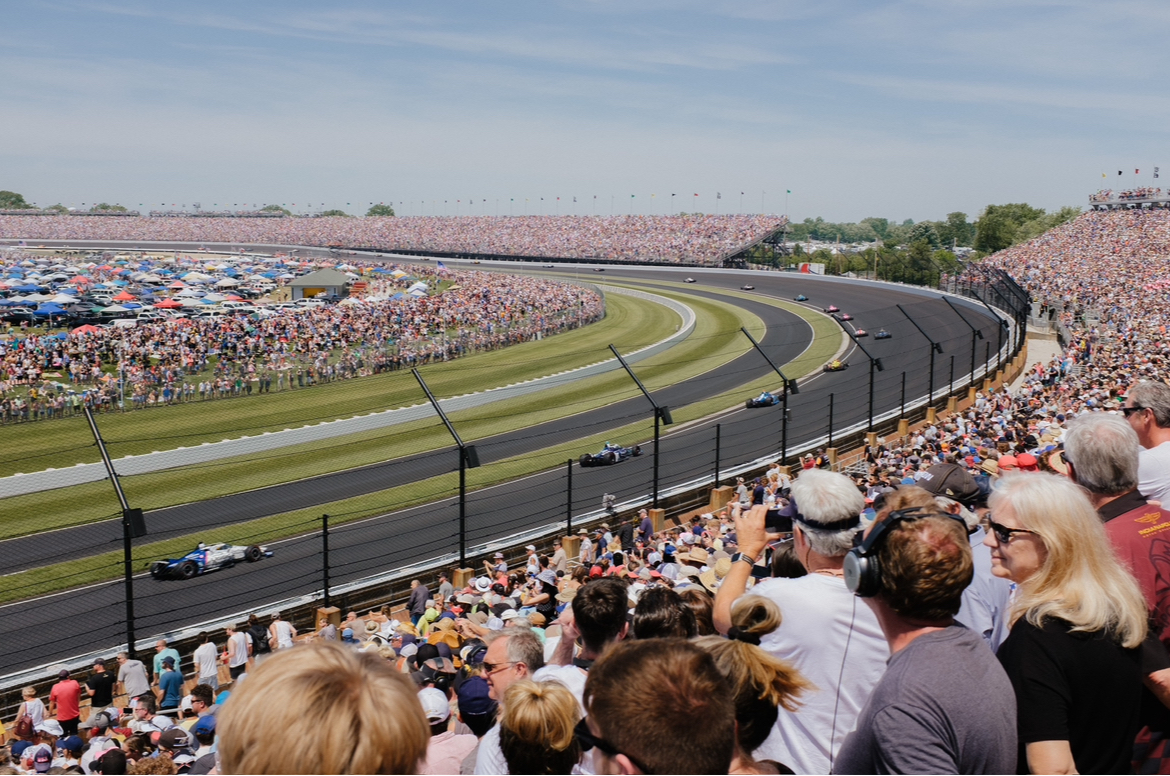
(86, 329)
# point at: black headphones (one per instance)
(863, 574)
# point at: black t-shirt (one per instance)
(103, 689)
(1076, 687)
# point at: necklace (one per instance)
(830, 572)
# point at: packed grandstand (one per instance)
(684, 239)
(553, 659)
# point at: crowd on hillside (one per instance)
(685, 239)
(184, 359)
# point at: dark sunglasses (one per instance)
(588, 741)
(1003, 534)
(1127, 411)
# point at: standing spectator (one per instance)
(1147, 408)
(259, 636)
(446, 750)
(827, 633)
(692, 733)
(417, 605)
(645, 527)
(132, 679)
(512, 654)
(170, 686)
(626, 536)
(911, 570)
(536, 730)
(31, 709)
(300, 709)
(559, 561)
(1078, 620)
(100, 686)
(162, 652)
(586, 554)
(280, 633)
(239, 649)
(206, 660)
(65, 702)
(446, 589)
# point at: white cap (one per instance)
(434, 704)
(509, 614)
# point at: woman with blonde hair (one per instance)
(761, 683)
(536, 727)
(1078, 620)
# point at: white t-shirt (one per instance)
(570, 676)
(206, 662)
(1154, 474)
(284, 638)
(835, 641)
(241, 640)
(489, 758)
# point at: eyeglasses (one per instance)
(1003, 534)
(491, 668)
(588, 741)
(1127, 411)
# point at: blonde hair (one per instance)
(374, 724)
(536, 727)
(1081, 581)
(760, 683)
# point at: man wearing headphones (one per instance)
(911, 570)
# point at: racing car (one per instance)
(836, 365)
(689, 280)
(860, 333)
(748, 287)
(846, 317)
(881, 334)
(832, 309)
(800, 298)
(765, 399)
(610, 454)
(205, 558)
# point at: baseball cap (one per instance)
(1007, 462)
(509, 614)
(1027, 462)
(473, 697)
(168, 661)
(950, 480)
(71, 744)
(434, 704)
(101, 720)
(63, 674)
(175, 738)
(206, 724)
(531, 547)
(42, 760)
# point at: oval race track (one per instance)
(56, 627)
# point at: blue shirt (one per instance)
(171, 684)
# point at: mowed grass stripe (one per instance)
(827, 339)
(716, 340)
(629, 323)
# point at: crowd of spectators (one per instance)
(180, 360)
(683, 239)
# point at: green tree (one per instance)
(340, 213)
(956, 231)
(275, 209)
(59, 208)
(10, 200)
(380, 210)
(106, 207)
(995, 230)
(879, 226)
(924, 230)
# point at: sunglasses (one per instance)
(491, 668)
(1003, 534)
(1127, 411)
(588, 741)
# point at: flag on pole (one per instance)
(1102, 175)
(1119, 172)
(789, 191)
(1155, 172)
(718, 195)
(1136, 171)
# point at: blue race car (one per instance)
(765, 399)
(881, 334)
(800, 298)
(205, 558)
(610, 454)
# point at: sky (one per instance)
(889, 109)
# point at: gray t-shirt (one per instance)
(944, 705)
(132, 675)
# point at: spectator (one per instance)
(513, 654)
(536, 730)
(446, 750)
(203, 700)
(326, 630)
(661, 613)
(476, 710)
(596, 617)
(162, 652)
(585, 556)
(829, 636)
(96, 730)
(282, 702)
(280, 633)
(760, 684)
(911, 570)
(206, 661)
(65, 702)
(417, 605)
(177, 745)
(170, 685)
(1147, 408)
(239, 649)
(205, 753)
(29, 714)
(1078, 620)
(258, 634)
(446, 589)
(702, 606)
(132, 679)
(559, 562)
(100, 685)
(693, 733)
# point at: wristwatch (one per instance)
(748, 559)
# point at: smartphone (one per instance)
(775, 522)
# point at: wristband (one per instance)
(748, 559)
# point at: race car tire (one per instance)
(187, 569)
(253, 553)
(637, 450)
(586, 460)
(158, 569)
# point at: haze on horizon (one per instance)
(889, 109)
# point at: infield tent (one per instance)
(323, 282)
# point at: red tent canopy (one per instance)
(86, 329)
(169, 304)
(125, 296)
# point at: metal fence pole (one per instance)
(569, 499)
(830, 420)
(718, 437)
(325, 559)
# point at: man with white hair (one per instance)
(1147, 408)
(827, 633)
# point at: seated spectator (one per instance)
(446, 750)
(662, 613)
(297, 711)
(536, 728)
(694, 733)
(760, 683)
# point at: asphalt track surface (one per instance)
(53, 628)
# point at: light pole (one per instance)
(875, 365)
(934, 348)
(661, 417)
(976, 334)
(789, 386)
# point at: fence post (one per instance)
(325, 558)
(830, 420)
(718, 434)
(569, 499)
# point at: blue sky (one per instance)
(892, 109)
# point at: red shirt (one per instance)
(67, 695)
(1140, 534)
